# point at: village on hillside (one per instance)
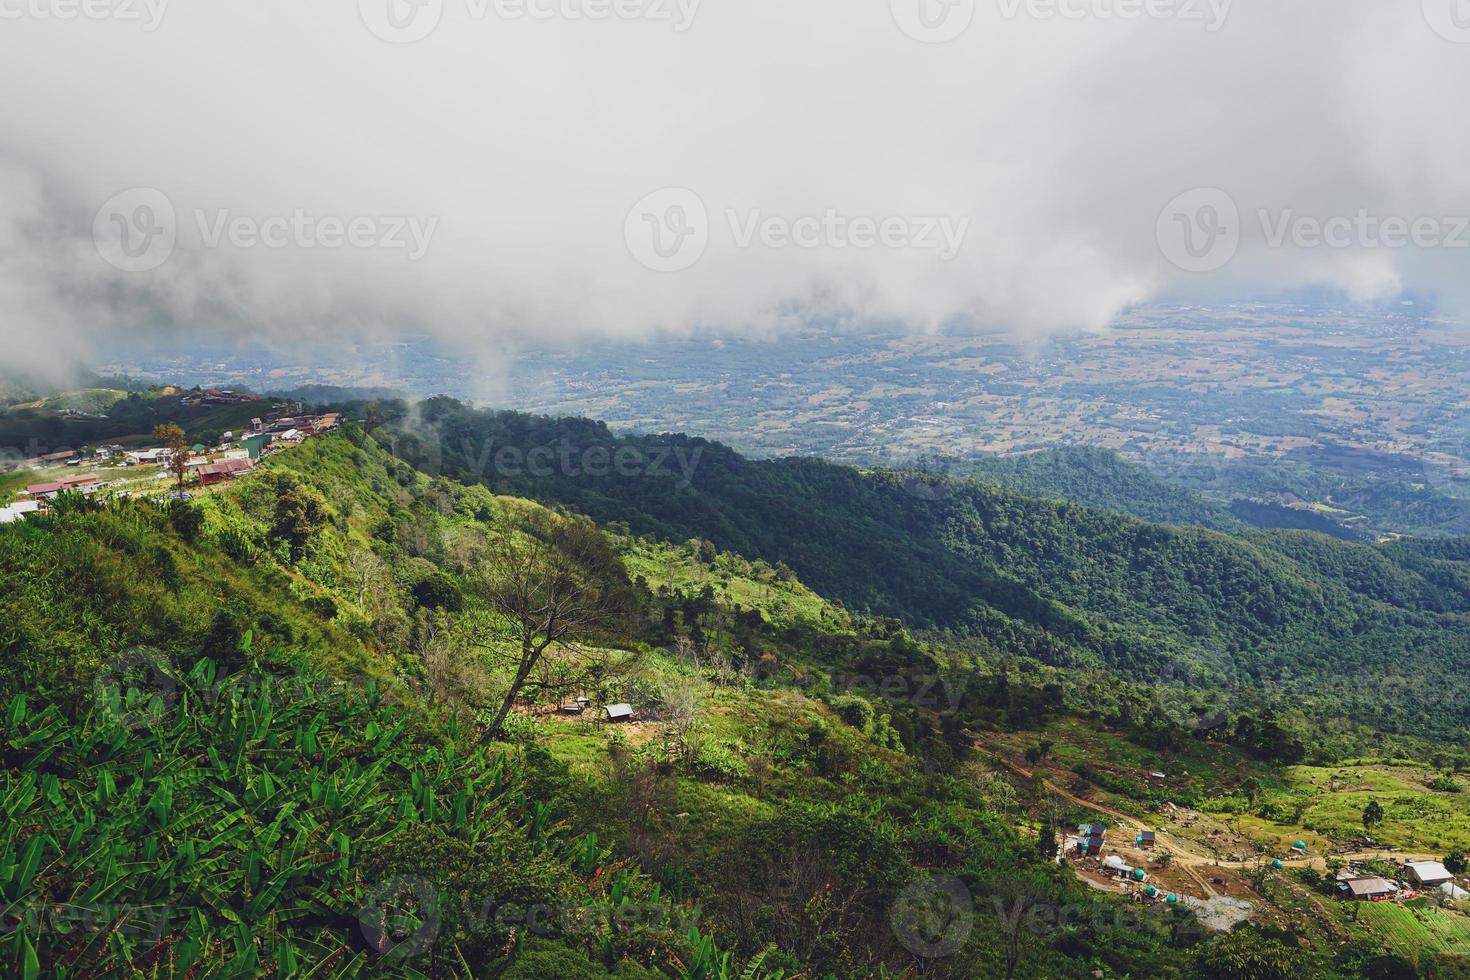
(114, 470)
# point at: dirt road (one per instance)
(1185, 855)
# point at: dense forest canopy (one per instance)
(291, 693)
(1065, 584)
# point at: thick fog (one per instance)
(489, 171)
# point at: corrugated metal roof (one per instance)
(1370, 886)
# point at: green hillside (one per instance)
(1064, 584)
(198, 754)
(1103, 480)
(256, 734)
(48, 424)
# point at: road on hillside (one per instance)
(1184, 857)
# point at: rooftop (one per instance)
(1370, 886)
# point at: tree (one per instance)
(368, 571)
(552, 582)
(1046, 841)
(300, 514)
(1372, 815)
(1247, 954)
(681, 702)
(1013, 900)
(439, 591)
(1454, 862)
(177, 444)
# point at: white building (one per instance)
(1427, 874)
(13, 513)
(145, 457)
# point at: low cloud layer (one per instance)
(498, 171)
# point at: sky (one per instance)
(498, 172)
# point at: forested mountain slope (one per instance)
(1101, 479)
(249, 734)
(246, 735)
(1063, 583)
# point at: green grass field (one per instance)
(12, 482)
(1413, 931)
(1331, 800)
(1190, 767)
(96, 400)
(734, 580)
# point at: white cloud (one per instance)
(1058, 138)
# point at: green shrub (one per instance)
(238, 545)
(186, 519)
(439, 591)
(323, 605)
(856, 711)
(719, 763)
(166, 565)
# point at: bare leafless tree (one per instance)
(681, 703)
(794, 897)
(368, 572)
(451, 677)
(1013, 899)
(177, 444)
(556, 581)
(685, 647)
